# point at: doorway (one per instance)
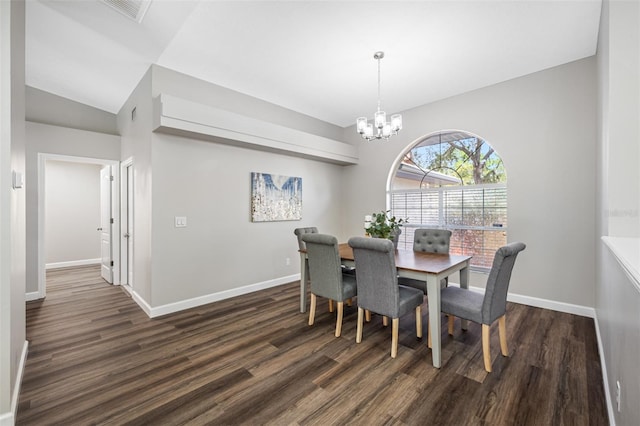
(110, 225)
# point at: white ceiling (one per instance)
(312, 57)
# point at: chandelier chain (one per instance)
(378, 84)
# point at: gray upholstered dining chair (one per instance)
(428, 241)
(299, 232)
(327, 279)
(485, 309)
(313, 230)
(302, 231)
(378, 289)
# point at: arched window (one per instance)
(453, 180)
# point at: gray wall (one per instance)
(617, 300)
(43, 138)
(209, 183)
(543, 127)
(12, 202)
(187, 87)
(72, 212)
(47, 108)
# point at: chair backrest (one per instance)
(325, 268)
(495, 296)
(431, 240)
(302, 231)
(376, 278)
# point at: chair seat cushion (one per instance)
(462, 303)
(349, 288)
(410, 298)
(348, 270)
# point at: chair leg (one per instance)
(367, 315)
(395, 324)
(339, 319)
(450, 325)
(428, 334)
(312, 309)
(330, 305)
(419, 322)
(385, 321)
(502, 329)
(486, 352)
(359, 326)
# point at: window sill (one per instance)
(627, 253)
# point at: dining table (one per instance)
(427, 267)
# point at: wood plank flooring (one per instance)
(96, 358)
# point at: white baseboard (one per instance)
(9, 419)
(142, 303)
(35, 295)
(569, 308)
(170, 308)
(81, 262)
(605, 380)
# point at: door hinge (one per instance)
(111, 220)
(111, 178)
(112, 263)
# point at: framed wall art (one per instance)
(275, 197)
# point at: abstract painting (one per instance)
(275, 197)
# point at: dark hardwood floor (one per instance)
(96, 358)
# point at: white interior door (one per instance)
(106, 224)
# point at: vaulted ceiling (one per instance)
(313, 57)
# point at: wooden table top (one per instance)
(415, 261)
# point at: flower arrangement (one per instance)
(381, 225)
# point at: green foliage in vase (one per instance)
(384, 226)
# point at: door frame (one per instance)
(115, 211)
(126, 274)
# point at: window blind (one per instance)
(476, 216)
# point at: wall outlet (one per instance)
(618, 394)
(287, 261)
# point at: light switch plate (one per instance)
(18, 180)
(181, 221)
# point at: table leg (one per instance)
(433, 293)
(303, 283)
(464, 283)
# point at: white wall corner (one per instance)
(9, 419)
(603, 367)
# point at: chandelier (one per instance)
(384, 129)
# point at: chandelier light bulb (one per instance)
(361, 124)
(396, 122)
(384, 129)
(379, 119)
(368, 131)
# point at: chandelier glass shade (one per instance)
(380, 128)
